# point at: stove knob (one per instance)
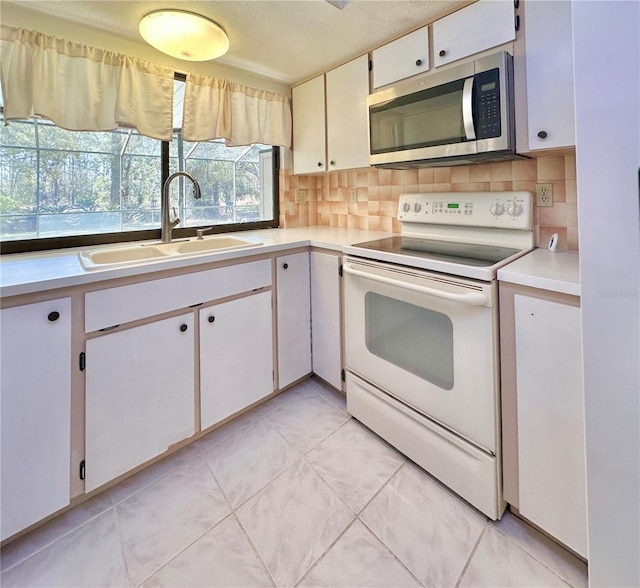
(417, 207)
(514, 209)
(496, 209)
(406, 207)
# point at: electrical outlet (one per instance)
(544, 194)
(301, 196)
(354, 194)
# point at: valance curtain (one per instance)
(220, 109)
(80, 88)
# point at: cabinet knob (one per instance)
(212, 319)
(442, 53)
(418, 62)
(183, 328)
(53, 316)
(285, 265)
(542, 134)
(319, 164)
(332, 163)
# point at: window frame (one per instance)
(88, 240)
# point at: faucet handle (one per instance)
(200, 232)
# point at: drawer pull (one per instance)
(54, 316)
(285, 265)
(183, 327)
(211, 319)
(418, 62)
(442, 53)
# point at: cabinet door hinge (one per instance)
(370, 65)
(340, 270)
(82, 361)
(343, 375)
(81, 471)
(517, 23)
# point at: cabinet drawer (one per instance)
(115, 306)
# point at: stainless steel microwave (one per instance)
(458, 116)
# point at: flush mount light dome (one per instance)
(184, 35)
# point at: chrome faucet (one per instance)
(167, 223)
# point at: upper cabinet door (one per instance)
(402, 58)
(347, 91)
(480, 26)
(549, 67)
(309, 127)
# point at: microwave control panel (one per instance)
(487, 104)
(512, 210)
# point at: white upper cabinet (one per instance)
(347, 91)
(478, 27)
(309, 144)
(345, 125)
(402, 58)
(548, 60)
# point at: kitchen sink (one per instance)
(210, 244)
(126, 256)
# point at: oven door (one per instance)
(428, 340)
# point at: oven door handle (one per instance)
(473, 298)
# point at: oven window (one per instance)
(416, 339)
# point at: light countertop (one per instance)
(25, 273)
(556, 271)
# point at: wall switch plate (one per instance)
(544, 194)
(301, 196)
(353, 192)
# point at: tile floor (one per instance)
(294, 493)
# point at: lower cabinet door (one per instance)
(236, 356)
(35, 392)
(140, 396)
(326, 337)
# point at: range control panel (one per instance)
(508, 210)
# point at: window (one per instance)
(60, 188)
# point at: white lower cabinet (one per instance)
(236, 356)
(326, 332)
(35, 386)
(294, 317)
(543, 412)
(140, 396)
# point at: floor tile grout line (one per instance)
(181, 551)
(326, 551)
(544, 564)
(255, 550)
(58, 538)
(370, 530)
(122, 546)
(467, 563)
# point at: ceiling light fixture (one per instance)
(184, 35)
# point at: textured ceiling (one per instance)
(286, 40)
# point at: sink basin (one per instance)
(124, 256)
(211, 244)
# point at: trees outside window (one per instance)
(56, 183)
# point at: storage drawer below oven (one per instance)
(471, 473)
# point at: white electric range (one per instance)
(421, 333)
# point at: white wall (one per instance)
(607, 86)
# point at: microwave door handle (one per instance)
(467, 109)
(473, 298)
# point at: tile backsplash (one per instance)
(328, 198)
